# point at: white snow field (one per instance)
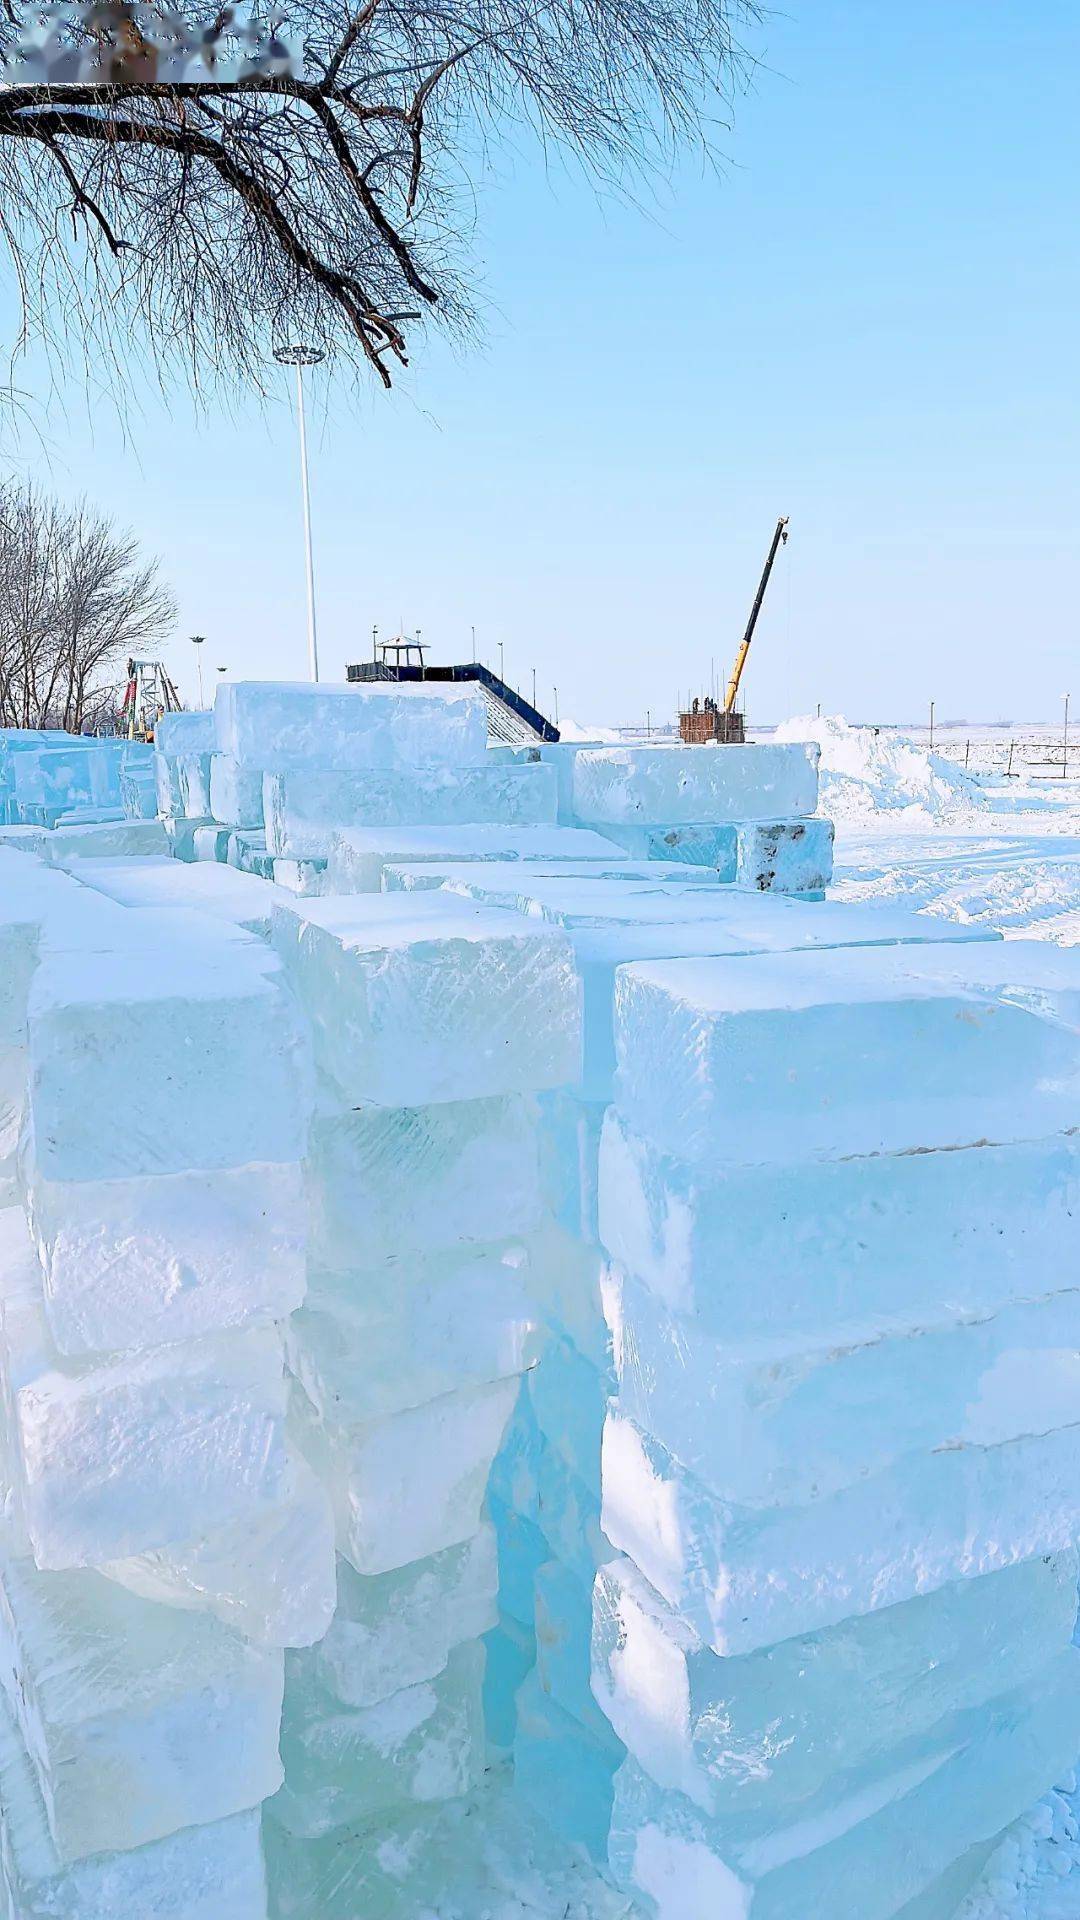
(539, 1341)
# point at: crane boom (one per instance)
(779, 537)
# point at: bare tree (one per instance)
(330, 204)
(76, 599)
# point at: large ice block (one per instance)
(163, 1257)
(394, 1630)
(864, 1847)
(105, 840)
(701, 844)
(193, 776)
(423, 1000)
(785, 856)
(758, 1733)
(236, 792)
(388, 1183)
(207, 886)
(269, 1576)
(212, 1872)
(381, 725)
(746, 1577)
(356, 1766)
(225, 1084)
(140, 1720)
(134, 1450)
(819, 1056)
(777, 1422)
(305, 807)
(822, 1250)
(670, 785)
(520, 884)
(412, 1483)
(185, 732)
(359, 854)
(167, 787)
(375, 1341)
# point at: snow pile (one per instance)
(868, 770)
(1034, 1873)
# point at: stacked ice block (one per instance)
(51, 778)
(183, 744)
(435, 1022)
(839, 1192)
(747, 813)
(162, 1540)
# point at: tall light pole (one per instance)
(301, 357)
(1065, 742)
(198, 640)
(931, 726)
(502, 675)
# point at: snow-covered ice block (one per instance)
(193, 776)
(822, 1055)
(269, 1576)
(376, 1341)
(359, 854)
(352, 1767)
(176, 733)
(565, 1771)
(777, 1423)
(226, 1085)
(212, 1872)
(822, 1250)
(746, 1577)
(420, 1001)
(120, 839)
(761, 1732)
(306, 807)
(380, 725)
(236, 793)
(223, 891)
(701, 844)
(865, 1850)
(390, 1183)
(164, 1257)
(785, 856)
(140, 1720)
(650, 786)
(394, 1630)
(135, 1450)
(412, 1483)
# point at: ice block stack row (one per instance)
(162, 1540)
(51, 778)
(840, 1195)
(435, 1024)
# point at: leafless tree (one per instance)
(76, 598)
(211, 220)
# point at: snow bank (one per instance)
(868, 770)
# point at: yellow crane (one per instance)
(779, 539)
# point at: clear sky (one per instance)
(869, 322)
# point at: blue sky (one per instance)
(868, 321)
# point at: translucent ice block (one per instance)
(268, 723)
(212, 1872)
(164, 1257)
(306, 807)
(170, 798)
(235, 792)
(544, 887)
(564, 1607)
(785, 856)
(193, 776)
(413, 1483)
(651, 785)
(701, 844)
(570, 1397)
(359, 854)
(867, 1852)
(140, 1720)
(225, 1084)
(760, 1732)
(184, 733)
(823, 1249)
(135, 1450)
(565, 1771)
(356, 1766)
(423, 1000)
(745, 1577)
(269, 1576)
(223, 891)
(374, 1342)
(778, 1423)
(387, 1183)
(823, 1055)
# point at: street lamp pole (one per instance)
(1065, 742)
(301, 357)
(197, 640)
(931, 726)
